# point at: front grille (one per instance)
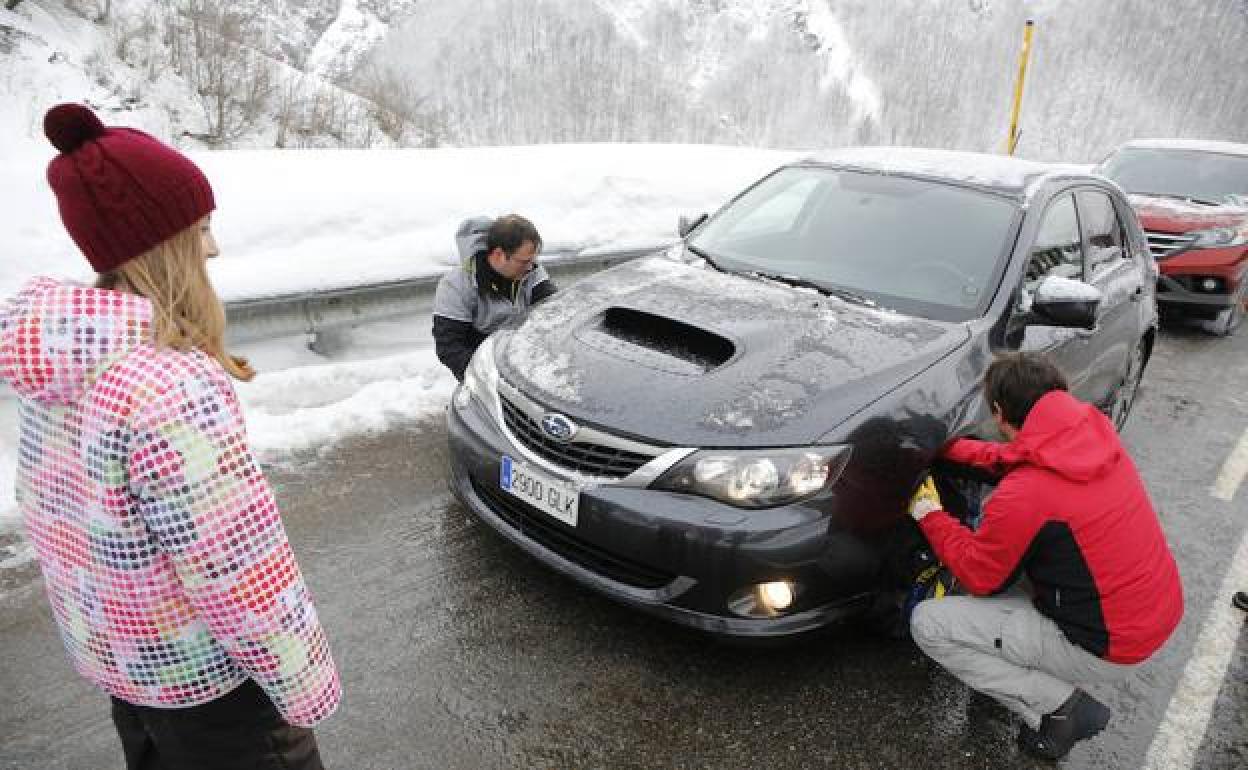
(1163, 245)
(556, 537)
(584, 458)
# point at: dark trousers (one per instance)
(238, 731)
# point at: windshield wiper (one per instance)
(822, 288)
(703, 255)
(1176, 196)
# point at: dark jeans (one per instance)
(238, 731)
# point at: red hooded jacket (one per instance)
(1072, 513)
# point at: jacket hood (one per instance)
(1071, 438)
(56, 338)
(470, 236)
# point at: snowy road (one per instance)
(459, 652)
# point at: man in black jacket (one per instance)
(498, 279)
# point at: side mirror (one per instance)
(1065, 302)
(685, 225)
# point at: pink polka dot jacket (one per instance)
(164, 557)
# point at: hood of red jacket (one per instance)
(57, 338)
(1066, 436)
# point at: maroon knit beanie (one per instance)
(120, 191)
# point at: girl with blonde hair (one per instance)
(165, 560)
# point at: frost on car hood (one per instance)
(1176, 215)
(795, 364)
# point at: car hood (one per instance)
(1170, 215)
(686, 355)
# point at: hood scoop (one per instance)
(656, 342)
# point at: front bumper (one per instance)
(1174, 292)
(679, 557)
(1181, 274)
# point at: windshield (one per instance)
(1200, 176)
(915, 246)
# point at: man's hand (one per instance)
(926, 500)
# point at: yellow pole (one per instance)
(1018, 87)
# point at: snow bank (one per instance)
(297, 220)
(315, 407)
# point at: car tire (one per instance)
(1128, 390)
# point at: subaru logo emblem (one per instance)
(558, 427)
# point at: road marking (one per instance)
(1233, 471)
(1182, 730)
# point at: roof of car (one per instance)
(1196, 145)
(997, 172)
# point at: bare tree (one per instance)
(215, 50)
(396, 105)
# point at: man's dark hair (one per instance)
(1016, 381)
(509, 233)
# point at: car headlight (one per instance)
(481, 377)
(1220, 237)
(757, 478)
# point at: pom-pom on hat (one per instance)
(120, 192)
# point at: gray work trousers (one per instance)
(1004, 648)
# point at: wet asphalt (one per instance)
(458, 651)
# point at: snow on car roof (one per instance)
(1196, 145)
(977, 168)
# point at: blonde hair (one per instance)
(186, 312)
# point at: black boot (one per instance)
(1241, 600)
(1080, 717)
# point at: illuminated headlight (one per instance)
(757, 479)
(1210, 284)
(764, 600)
(778, 595)
(1219, 238)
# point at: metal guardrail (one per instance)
(323, 313)
(319, 312)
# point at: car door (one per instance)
(1109, 268)
(1058, 250)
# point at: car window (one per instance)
(924, 247)
(1211, 177)
(779, 213)
(1102, 231)
(1058, 249)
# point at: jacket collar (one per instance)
(491, 282)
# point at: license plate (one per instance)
(539, 489)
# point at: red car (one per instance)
(1192, 199)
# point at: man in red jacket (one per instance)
(1072, 515)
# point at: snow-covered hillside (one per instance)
(195, 72)
(712, 31)
(820, 73)
(777, 73)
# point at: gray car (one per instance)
(726, 435)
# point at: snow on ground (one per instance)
(298, 220)
(313, 407)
